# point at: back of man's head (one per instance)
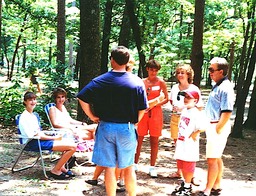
(121, 55)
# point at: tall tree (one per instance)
(239, 119)
(197, 54)
(89, 44)
(1, 30)
(106, 36)
(125, 32)
(137, 36)
(61, 34)
(248, 63)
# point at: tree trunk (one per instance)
(241, 98)
(14, 57)
(197, 55)
(24, 56)
(1, 27)
(89, 44)
(243, 67)
(231, 59)
(250, 121)
(106, 36)
(137, 36)
(61, 33)
(125, 32)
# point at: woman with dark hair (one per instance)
(60, 118)
(152, 121)
(29, 126)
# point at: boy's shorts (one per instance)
(174, 129)
(115, 145)
(216, 143)
(45, 145)
(186, 166)
(151, 123)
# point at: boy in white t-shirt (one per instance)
(187, 145)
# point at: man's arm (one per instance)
(87, 109)
(224, 118)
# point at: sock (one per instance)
(187, 185)
(151, 168)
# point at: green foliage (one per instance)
(11, 98)
(11, 102)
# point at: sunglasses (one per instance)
(211, 70)
(148, 91)
(180, 94)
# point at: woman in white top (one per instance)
(29, 127)
(185, 75)
(60, 118)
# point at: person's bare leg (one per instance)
(38, 88)
(187, 176)
(118, 172)
(220, 173)
(213, 170)
(154, 150)
(98, 170)
(130, 180)
(110, 181)
(138, 150)
(69, 151)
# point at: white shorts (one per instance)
(216, 143)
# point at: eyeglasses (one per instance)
(211, 70)
(148, 91)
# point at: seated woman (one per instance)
(29, 126)
(60, 117)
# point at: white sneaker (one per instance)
(120, 183)
(152, 172)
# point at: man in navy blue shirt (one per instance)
(119, 100)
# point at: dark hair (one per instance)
(153, 64)
(121, 55)
(28, 95)
(58, 91)
(221, 63)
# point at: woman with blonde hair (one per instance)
(185, 75)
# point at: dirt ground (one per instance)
(239, 174)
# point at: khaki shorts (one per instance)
(174, 129)
(216, 143)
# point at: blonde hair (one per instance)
(130, 64)
(188, 69)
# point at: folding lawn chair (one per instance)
(84, 146)
(25, 147)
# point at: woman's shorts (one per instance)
(151, 123)
(115, 145)
(45, 145)
(174, 129)
(216, 143)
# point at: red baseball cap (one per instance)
(193, 94)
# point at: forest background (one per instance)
(68, 42)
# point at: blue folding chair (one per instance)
(25, 147)
(85, 146)
(47, 109)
